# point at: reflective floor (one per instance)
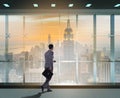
(60, 93)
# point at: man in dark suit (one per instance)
(49, 55)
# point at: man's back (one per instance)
(48, 66)
(49, 59)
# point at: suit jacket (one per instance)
(49, 60)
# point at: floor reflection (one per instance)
(38, 95)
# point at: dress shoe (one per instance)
(49, 90)
(42, 88)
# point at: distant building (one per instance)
(68, 43)
(103, 68)
(49, 39)
(10, 57)
(2, 58)
(30, 61)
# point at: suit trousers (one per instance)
(46, 83)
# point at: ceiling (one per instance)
(60, 4)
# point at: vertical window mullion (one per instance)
(112, 48)
(94, 49)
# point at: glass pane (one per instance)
(117, 48)
(2, 36)
(41, 30)
(103, 48)
(16, 53)
(84, 48)
(2, 48)
(67, 73)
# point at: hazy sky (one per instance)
(37, 29)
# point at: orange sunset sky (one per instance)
(38, 27)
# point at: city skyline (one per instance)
(73, 40)
(37, 30)
(33, 36)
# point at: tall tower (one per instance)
(68, 44)
(68, 31)
(68, 54)
(49, 39)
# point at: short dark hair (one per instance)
(50, 46)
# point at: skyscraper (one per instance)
(68, 43)
(49, 39)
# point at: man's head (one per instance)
(50, 46)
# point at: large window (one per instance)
(25, 38)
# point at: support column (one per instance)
(112, 49)
(6, 50)
(94, 49)
(6, 37)
(76, 46)
(24, 49)
(59, 59)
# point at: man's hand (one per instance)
(54, 61)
